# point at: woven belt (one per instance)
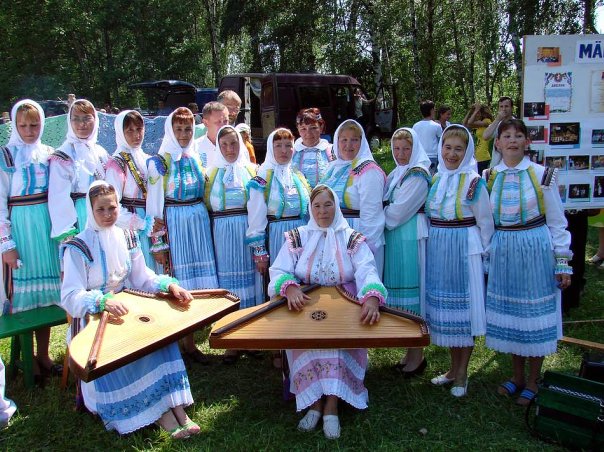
(351, 213)
(464, 223)
(274, 219)
(534, 223)
(228, 213)
(28, 200)
(76, 196)
(133, 202)
(170, 202)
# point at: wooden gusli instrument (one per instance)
(330, 319)
(153, 321)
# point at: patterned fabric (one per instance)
(516, 197)
(313, 163)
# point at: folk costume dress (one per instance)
(73, 167)
(176, 187)
(461, 226)
(313, 161)
(279, 197)
(25, 221)
(359, 184)
(406, 231)
(127, 172)
(530, 246)
(98, 261)
(327, 256)
(226, 197)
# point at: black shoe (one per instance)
(198, 357)
(412, 373)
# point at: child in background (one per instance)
(461, 226)
(246, 133)
(312, 153)
(528, 261)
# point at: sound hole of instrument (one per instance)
(144, 318)
(318, 315)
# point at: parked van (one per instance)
(164, 96)
(273, 100)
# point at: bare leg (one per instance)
(185, 421)
(413, 359)
(189, 343)
(453, 368)
(535, 364)
(518, 374)
(318, 405)
(331, 406)
(170, 424)
(461, 370)
(43, 341)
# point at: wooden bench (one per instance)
(20, 327)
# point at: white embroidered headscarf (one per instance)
(140, 158)
(449, 179)
(364, 152)
(27, 152)
(316, 232)
(170, 145)
(111, 239)
(283, 173)
(232, 173)
(418, 158)
(86, 155)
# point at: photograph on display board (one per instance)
(548, 55)
(536, 155)
(558, 91)
(577, 162)
(579, 192)
(599, 187)
(564, 134)
(558, 162)
(562, 191)
(596, 104)
(535, 110)
(597, 162)
(537, 134)
(597, 138)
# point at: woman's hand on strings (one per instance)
(295, 298)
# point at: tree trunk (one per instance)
(588, 17)
(211, 20)
(417, 75)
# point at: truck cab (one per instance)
(273, 100)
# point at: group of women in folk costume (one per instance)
(223, 226)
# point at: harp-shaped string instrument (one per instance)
(153, 321)
(330, 319)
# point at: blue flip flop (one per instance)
(525, 397)
(510, 387)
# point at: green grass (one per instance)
(240, 407)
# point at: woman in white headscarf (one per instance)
(327, 252)
(278, 200)
(461, 226)
(28, 252)
(226, 197)
(127, 172)
(182, 238)
(406, 234)
(98, 262)
(359, 183)
(73, 167)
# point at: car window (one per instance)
(314, 96)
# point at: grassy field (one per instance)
(240, 407)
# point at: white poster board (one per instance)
(563, 107)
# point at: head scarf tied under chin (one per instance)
(85, 148)
(122, 144)
(27, 152)
(418, 158)
(111, 239)
(449, 179)
(315, 232)
(232, 172)
(364, 152)
(170, 144)
(283, 173)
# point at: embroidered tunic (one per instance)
(313, 161)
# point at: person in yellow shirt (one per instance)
(478, 118)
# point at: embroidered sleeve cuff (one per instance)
(66, 235)
(148, 226)
(158, 244)
(562, 267)
(164, 282)
(283, 282)
(374, 290)
(92, 300)
(7, 243)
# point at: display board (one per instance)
(563, 108)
